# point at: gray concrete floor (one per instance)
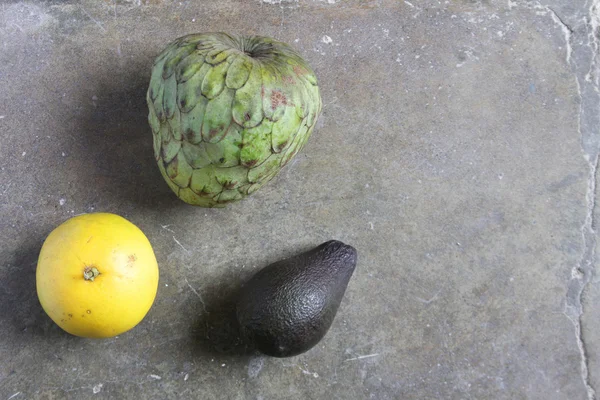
(457, 151)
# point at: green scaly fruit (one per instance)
(227, 113)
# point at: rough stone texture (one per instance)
(457, 151)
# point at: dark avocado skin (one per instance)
(287, 307)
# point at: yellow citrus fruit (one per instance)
(97, 275)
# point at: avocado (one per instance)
(288, 306)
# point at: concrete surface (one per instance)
(457, 151)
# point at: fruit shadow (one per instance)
(116, 148)
(217, 332)
(20, 310)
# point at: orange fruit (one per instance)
(97, 275)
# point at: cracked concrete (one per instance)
(582, 38)
(465, 137)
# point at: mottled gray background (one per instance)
(457, 151)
